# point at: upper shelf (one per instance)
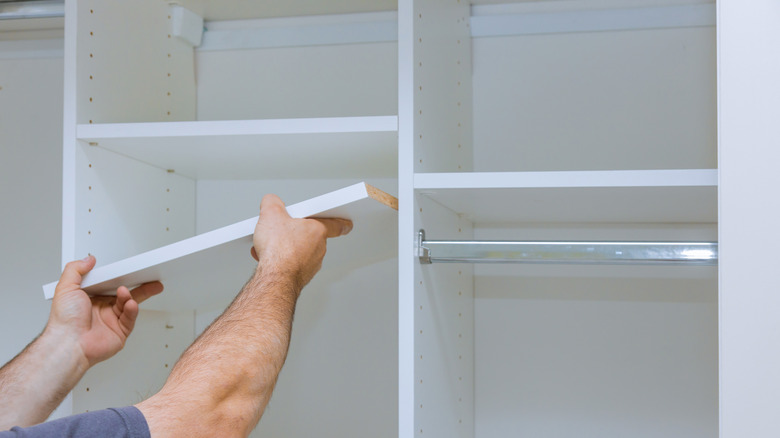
(639, 196)
(209, 269)
(238, 9)
(254, 149)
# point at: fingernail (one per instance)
(86, 259)
(346, 229)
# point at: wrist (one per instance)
(270, 278)
(64, 346)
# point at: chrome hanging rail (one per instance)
(592, 253)
(31, 9)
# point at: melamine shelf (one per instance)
(625, 196)
(356, 147)
(208, 269)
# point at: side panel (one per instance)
(444, 332)
(129, 67)
(140, 369)
(442, 86)
(749, 108)
(125, 207)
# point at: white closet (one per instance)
(587, 120)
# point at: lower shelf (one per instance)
(207, 269)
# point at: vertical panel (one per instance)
(444, 333)
(125, 207)
(434, 135)
(442, 86)
(129, 66)
(406, 266)
(749, 108)
(140, 369)
(70, 76)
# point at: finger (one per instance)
(122, 297)
(272, 204)
(336, 227)
(126, 309)
(254, 254)
(73, 273)
(145, 291)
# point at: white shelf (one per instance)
(207, 269)
(642, 196)
(237, 9)
(257, 149)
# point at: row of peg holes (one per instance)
(420, 111)
(460, 336)
(92, 77)
(167, 210)
(166, 366)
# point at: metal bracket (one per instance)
(423, 253)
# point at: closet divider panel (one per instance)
(442, 86)
(749, 107)
(140, 369)
(124, 207)
(129, 65)
(444, 332)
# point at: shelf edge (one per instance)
(568, 179)
(93, 132)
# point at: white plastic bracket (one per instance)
(187, 25)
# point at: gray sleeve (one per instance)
(126, 422)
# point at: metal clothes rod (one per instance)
(31, 9)
(589, 253)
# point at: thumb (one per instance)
(73, 274)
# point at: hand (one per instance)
(99, 325)
(293, 247)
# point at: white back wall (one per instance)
(30, 194)
(640, 99)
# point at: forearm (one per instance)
(36, 381)
(226, 377)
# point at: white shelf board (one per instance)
(253, 149)
(642, 196)
(210, 268)
(241, 9)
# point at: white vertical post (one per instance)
(69, 135)
(405, 219)
(749, 135)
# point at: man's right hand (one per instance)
(292, 247)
